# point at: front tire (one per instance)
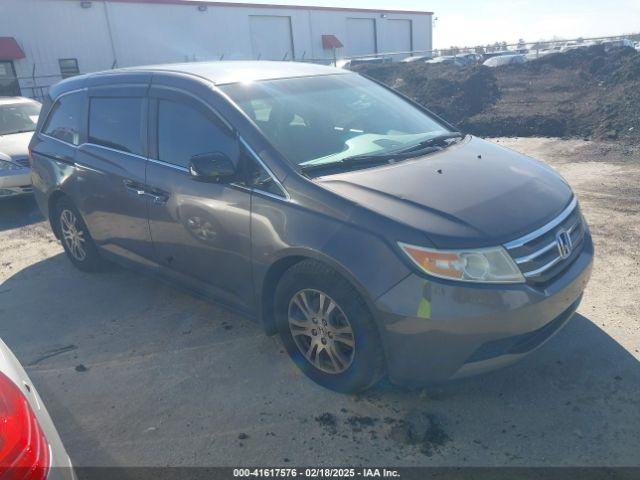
(75, 237)
(327, 328)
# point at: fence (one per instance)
(37, 86)
(499, 47)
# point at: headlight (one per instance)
(4, 165)
(484, 265)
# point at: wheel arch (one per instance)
(54, 198)
(276, 270)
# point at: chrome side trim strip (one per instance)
(169, 165)
(115, 150)
(519, 242)
(269, 194)
(57, 140)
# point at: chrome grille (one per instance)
(538, 254)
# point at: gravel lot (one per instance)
(135, 372)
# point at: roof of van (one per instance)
(224, 72)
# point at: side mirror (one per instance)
(211, 167)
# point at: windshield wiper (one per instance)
(437, 140)
(425, 147)
(368, 159)
(347, 162)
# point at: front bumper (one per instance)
(434, 330)
(15, 182)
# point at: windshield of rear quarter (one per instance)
(322, 119)
(18, 117)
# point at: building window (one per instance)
(68, 67)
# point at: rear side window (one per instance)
(65, 119)
(117, 123)
(184, 132)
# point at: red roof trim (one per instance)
(9, 49)
(269, 5)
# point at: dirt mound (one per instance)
(587, 93)
(454, 93)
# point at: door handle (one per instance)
(134, 187)
(157, 196)
(159, 199)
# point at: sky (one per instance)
(478, 22)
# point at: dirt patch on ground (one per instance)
(586, 93)
(423, 430)
(419, 430)
(329, 422)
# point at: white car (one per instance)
(577, 46)
(448, 60)
(18, 118)
(535, 55)
(505, 60)
(30, 447)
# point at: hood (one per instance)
(16, 145)
(472, 194)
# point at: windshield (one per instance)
(18, 117)
(323, 119)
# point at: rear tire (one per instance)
(75, 237)
(328, 329)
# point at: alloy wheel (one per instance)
(73, 235)
(321, 331)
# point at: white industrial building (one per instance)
(42, 41)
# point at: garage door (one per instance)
(361, 36)
(399, 36)
(271, 37)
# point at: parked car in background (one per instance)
(30, 447)
(348, 63)
(505, 60)
(448, 60)
(469, 58)
(619, 43)
(502, 53)
(18, 119)
(365, 230)
(535, 55)
(577, 46)
(417, 58)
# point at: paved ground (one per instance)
(135, 372)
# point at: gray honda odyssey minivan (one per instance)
(372, 235)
